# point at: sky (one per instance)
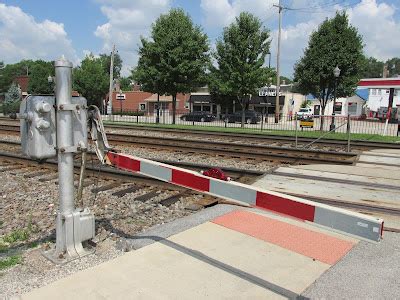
(47, 29)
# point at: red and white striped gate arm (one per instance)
(342, 220)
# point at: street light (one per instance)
(336, 73)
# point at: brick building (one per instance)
(147, 102)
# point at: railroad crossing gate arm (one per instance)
(338, 219)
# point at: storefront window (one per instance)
(338, 108)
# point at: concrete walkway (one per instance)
(244, 253)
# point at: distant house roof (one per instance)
(23, 82)
(380, 83)
(362, 93)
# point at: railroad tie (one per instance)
(148, 196)
(12, 167)
(131, 189)
(173, 199)
(49, 178)
(105, 187)
(36, 174)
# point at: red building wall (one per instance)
(133, 99)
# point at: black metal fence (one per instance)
(261, 122)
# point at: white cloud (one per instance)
(219, 13)
(375, 22)
(127, 21)
(24, 38)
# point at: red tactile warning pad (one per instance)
(322, 247)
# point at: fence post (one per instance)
(137, 116)
(295, 121)
(262, 119)
(348, 132)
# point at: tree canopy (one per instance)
(125, 83)
(90, 79)
(239, 60)
(38, 82)
(335, 43)
(106, 63)
(175, 59)
(12, 99)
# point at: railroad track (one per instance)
(242, 175)
(355, 144)
(360, 145)
(286, 155)
(130, 182)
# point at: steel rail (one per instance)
(110, 173)
(257, 152)
(356, 144)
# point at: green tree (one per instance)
(393, 66)
(335, 43)
(240, 57)
(12, 99)
(106, 62)
(39, 71)
(10, 71)
(91, 80)
(372, 68)
(125, 83)
(175, 59)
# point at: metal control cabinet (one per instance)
(38, 127)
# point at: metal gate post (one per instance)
(72, 226)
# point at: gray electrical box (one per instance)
(38, 127)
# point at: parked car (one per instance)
(198, 116)
(305, 113)
(250, 117)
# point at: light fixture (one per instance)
(336, 72)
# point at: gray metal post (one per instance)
(64, 136)
(295, 122)
(348, 133)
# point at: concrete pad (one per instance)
(366, 178)
(395, 161)
(379, 153)
(360, 169)
(386, 151)
(270, 262)
(313, 244)
(379, 167)
(328, 190)
(207, 261)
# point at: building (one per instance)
(379, 94)
(146, 103)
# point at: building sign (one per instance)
(120, 96)
(307, 123)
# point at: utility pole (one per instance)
(278, 83)
(111, 80)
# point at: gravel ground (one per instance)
(30, 205)
(212, 161)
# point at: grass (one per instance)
(305, 133)
(17, 235)
(10, 261)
